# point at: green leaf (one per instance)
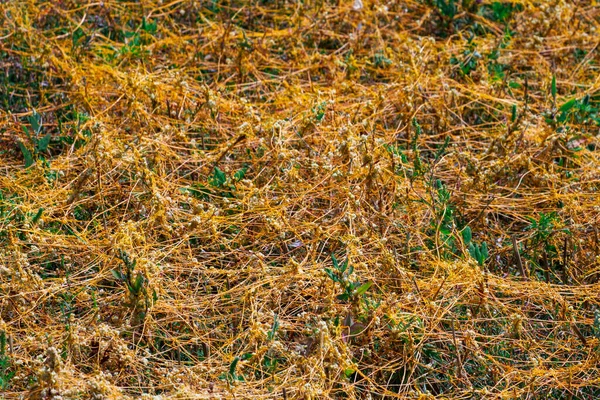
(198, 191)
(42, 144)
(149, 27)
(240, 174)
(467, 235)
(2, 343)
(139, 281)
(441, 150)
(218, 178)
(27, 132)
(274, 328)
(344, 266)
(484, 251)
(343, 297)
(77, 35)
(568, 105)
(331, 275)
(35, 120)
(335, 262)
(479, 253)
(117, 274)
(514, 85)
(513, 114)
(320, 111)
(474, 251)
(363, 288)
(37, 216)
(232, 367)
(553, 88)
(26, 154)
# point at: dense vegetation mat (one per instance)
(285, 199)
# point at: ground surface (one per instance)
(319, 199)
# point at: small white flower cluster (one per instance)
(100, 387)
